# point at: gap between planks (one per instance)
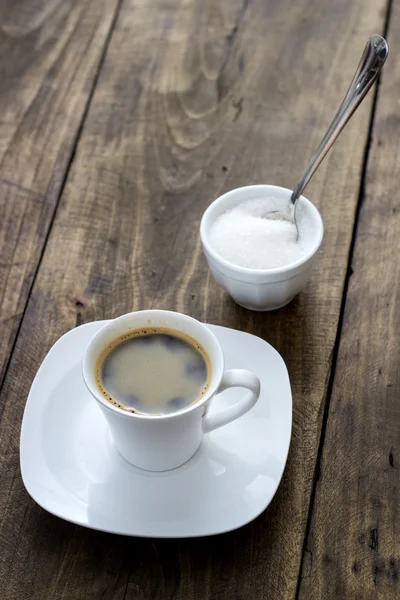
(64, 181)
(349, 271)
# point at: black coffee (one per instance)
(153, 371)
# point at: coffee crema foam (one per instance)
(153, 371)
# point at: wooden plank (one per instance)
(49, 54)
(353, 550)
(194, 98)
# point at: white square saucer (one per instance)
(70, 467)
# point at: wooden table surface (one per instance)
(121, 120)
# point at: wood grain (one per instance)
(194, 98)
(49, 53)
(353, 550)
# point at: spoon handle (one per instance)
(371, 63)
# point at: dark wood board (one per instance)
(50, 51)
(353, 550)
(194, 98)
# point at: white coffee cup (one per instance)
(162, 442)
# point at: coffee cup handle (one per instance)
(234, 378)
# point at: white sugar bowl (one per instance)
(262, 289)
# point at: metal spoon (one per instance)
(371, 63)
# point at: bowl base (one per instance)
(270, 308)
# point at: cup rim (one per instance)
(206, 218)
(95, 392)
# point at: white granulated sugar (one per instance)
(243, 237)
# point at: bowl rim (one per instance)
(205, 223)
